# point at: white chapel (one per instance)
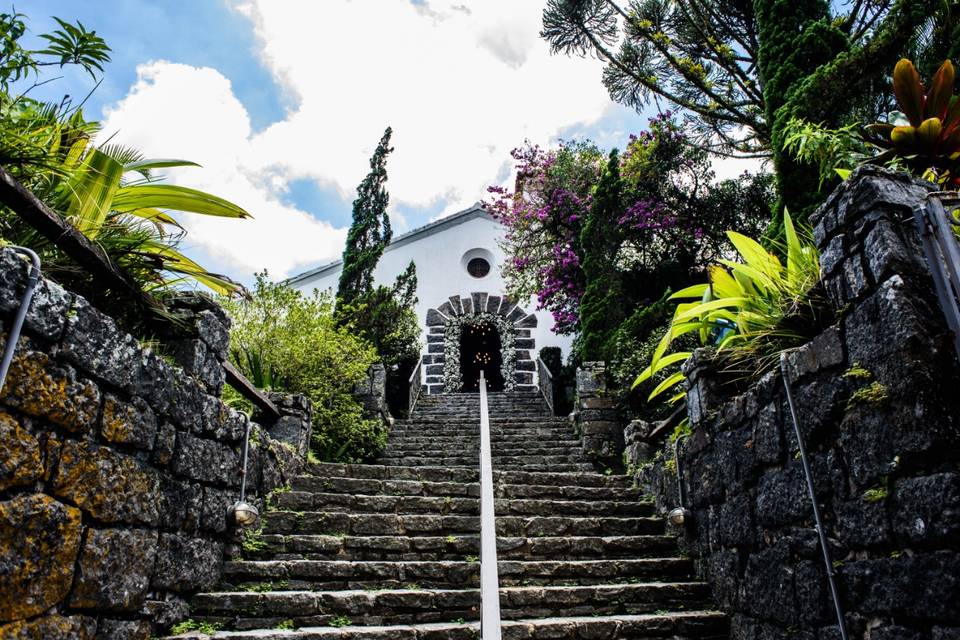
(467, 322)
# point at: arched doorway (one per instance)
(481, 350)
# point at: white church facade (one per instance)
(468, 324)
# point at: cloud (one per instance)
(460, 89)
(180, 111)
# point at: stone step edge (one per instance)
(433, 629)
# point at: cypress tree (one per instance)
(370, 231)
(600, 307)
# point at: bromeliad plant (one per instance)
(925, 133)
(750, 311)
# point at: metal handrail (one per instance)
(545, 380)
(414, 386)
(943, 255)
(489, 574)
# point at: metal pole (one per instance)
(489, 578)
(824, 547)
(33, 277)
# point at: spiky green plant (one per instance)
(751, 310)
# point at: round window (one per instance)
(478, 267)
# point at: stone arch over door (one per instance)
(458, 310)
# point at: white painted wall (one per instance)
(441, 273)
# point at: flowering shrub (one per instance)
(668, 225)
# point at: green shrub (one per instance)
(751, 311)
(286, 341)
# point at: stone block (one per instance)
(927, 509)
(186, 406)
(479, 301)
(216, 502)
(205, 460)
(131, 423)
(833, 255)
(39, 387)
(155, 381)
(467, 304)
(768, 435)
(110, 486)
(516, 315)
(782, 497)
(823, 352)
(446, 309)
(20, 462)
(525, 365)
(529, 321)
(769, 584)
(735, 523)
(493, 304)
(435, 318)
(123, 630)
(39, 542)
(180, 503)
(861, 524)
(186, 564)
(456, 305)
(47, 313)
(434, 370)
(93, 343)
(214, 330)
(524, 343)
(523, 377)
(435, 348)
(51, 626)
(115, 567)
(163, 446)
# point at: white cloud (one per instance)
(460, 88)
(180, 111)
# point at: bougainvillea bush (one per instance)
(667, 227)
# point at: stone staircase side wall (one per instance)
(880, 413)
(117, 468)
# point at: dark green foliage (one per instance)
(385, 318)
(600, 308)
(742, 69)
(370, 231)
(564, 379)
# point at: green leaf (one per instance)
(941, 90)
(671, 381)
(843, 173)
(664, 362)
(694, 291)
(158, 163)
(169, 196)
(704, 307)
(92, 190)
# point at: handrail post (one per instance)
(545, 382)
(413, 389)
(489, 575)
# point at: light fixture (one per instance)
(679, 516)
(244, 514)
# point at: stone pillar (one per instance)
(596, 418)
(295, 424)
(201, 348)
(371, 392)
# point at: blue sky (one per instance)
(274, 98)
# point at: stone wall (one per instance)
(879, 409)
(596, 419)
(117, 467)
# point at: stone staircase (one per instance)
(389, 551)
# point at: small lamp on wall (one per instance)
(679, 516)
(244, 514)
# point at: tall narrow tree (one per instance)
(600, 307)
(370, 231)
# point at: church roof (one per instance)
(437, 226)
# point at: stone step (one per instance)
(389, 524)
(469, 463)
(315, 575)
(679, 625)
(499, 460)
(371, 486)
(395, 472)
(399, 449)
(451, 505)
(253, 610)
(461, 547)
(474, 439)
(560, 493)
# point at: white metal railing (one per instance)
(413, 392)
(489, 575)
(545, 379)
